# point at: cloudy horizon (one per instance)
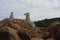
(38, 9)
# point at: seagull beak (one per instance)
(24, 14)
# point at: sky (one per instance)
(38, 9)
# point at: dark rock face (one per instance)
(57, 32)
(23, 35)
(54, 30)
(4, 36)
(7, 33)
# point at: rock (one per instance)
(54, 29)
(50, 39)
(35, 38)
(10, 33)
(24, 34)
(23, 29)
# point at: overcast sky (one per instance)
(38, 9)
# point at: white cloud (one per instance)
(37, 8)
(46, 3)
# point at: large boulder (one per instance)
(24, 34)
(54, 29)
(7, 33)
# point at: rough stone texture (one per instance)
(22, 30)
(19, 29)
(35, 38)
(40, 33)
(10, 34)
(54, 29)
(16, 30)
(50, 39)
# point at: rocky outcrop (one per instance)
(54, 29)
(22, 29)
(19, 30)
(7, 33)
(16, 29)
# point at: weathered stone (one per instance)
(10, 34)
(35, 38)
(54, 29)
(20, 29)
